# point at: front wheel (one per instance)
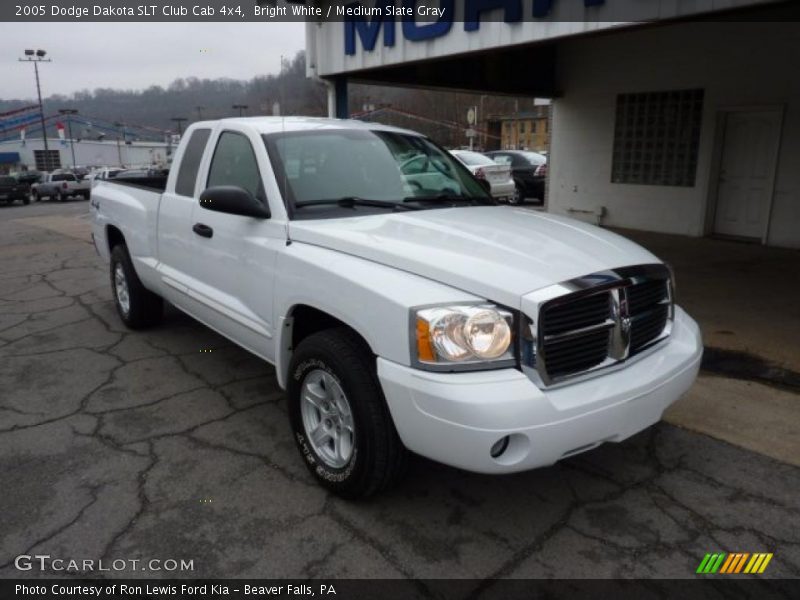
(339, 417)
(137, 306)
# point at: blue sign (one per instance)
(358, 25)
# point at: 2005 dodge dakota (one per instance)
(402, 309)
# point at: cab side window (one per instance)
(190, 163)
(234, 163)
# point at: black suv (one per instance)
(11, 189)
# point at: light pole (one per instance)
(68, 112)
(37, 56)
(241, 108)
(199, 110)
(179, 121)
(119, 147)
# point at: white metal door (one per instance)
(747, 169)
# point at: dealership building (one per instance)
(674, 116)
(16, 155)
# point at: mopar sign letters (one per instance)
(358, 24)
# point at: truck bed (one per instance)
(155, 183)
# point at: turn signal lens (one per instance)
(424, 347)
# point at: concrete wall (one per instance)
(737, 64)
(92, 152)
(325, 40)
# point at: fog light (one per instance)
(499, 447)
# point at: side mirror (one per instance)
(233, 200)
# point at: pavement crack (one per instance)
(144, 502)
(93, 497)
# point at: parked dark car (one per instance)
(11, 189)
(529, 170)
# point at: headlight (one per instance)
(464, 336)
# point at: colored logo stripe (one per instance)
(711, 563)
(734, 562)
(758, 563)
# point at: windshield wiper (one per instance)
(446, 197)
(352, 201)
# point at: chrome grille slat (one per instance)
(568, 335)
(583, 313)
(597, 321)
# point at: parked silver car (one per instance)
(482, 167)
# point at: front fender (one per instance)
(371, 298)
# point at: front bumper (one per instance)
(456, 418)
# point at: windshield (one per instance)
(7, 181)
(392, 170)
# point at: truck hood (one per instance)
(497, 252)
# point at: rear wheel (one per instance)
(339, 416)
(61, 197)
(26, 199)
(137, 306)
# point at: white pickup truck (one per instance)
(402, 311)
(60, 185)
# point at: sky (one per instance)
(138, 55)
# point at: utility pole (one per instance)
(68, 112)
(119, 147)
(199, 110)
(241, 108)
(179, 121)
(39, 57)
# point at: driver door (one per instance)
(234, 256)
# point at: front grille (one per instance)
(649, 308)
(578, 354)
(576, 333)
(608, 318)
(568, 316)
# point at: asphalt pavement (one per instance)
(173, 444)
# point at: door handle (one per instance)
(203, 230)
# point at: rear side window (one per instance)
(190, 163)
(234, 163)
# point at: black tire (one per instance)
(61, 197)
(86, 196)
(378, 458)
(145, 308)
(26, 200)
